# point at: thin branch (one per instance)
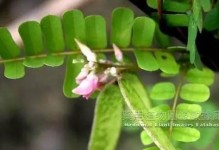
(67, 53)
(176, 97)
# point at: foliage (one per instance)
(45, 44)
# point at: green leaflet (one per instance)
(107, 120)
(71, 72)
(170, 5)
(188, 111)
(185, 134)
(197, 14)
(162, 39)
(145, 139)
(141, 90)
(143, 32)
(161, 112)
(191, 45)
(211, 21)
(163, 91)
(204, 76)
(53, 39)
(152, 148)
(146, 60)
(122, 21)
(31, 35)
(176, 20)
(195, 23)
(206, 5)
(195, 92)
(167, 63)
(134, 101)
(96, 32)
(74, 27)
(8, 50)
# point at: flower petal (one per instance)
(87, 86)
(118, 53)
(86, 51)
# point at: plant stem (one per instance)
(176, 97)
(67, 53)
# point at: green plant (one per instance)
(45, 44)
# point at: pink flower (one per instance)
(82, 75)
(118, 53)
(87, 86)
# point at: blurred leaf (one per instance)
(197, 14)
(161, 112)
(152, 148)
(107, 119)
(163, 91)
(143, 32)
(185, 134)
(71, 72)
(162, 39)
(96, 32)
(74, 27)
(170, 5)
(145, 139)
(188, 111)
(54, 40)
(31, 35)
(167, 63)
(146, 60)
(176, 20)
(211, 21)
(9, 50)
(141, 90)
(134, 101)
(204, 76)
(195, 92)
(206, 5)
(122, 21)
(208, 134)
(192, 34)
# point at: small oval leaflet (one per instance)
(146, 60)
(167, 62)
(204, 76)
(122, 21)
(195, 92)
(188, 111)
(185, 134)
(163, 91)
(145, 139)
(143, 32)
